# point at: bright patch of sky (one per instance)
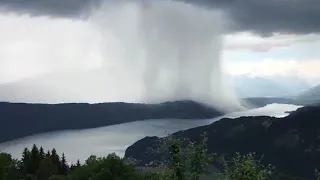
(301, 51)
(290, 56)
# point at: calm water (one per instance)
(79, 144)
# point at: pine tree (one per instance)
(72, 167)
(56, 159)
(35, 159)
(75, 166)
(78, 163)
(64, 165)
(41, 153)
(46, 169)
(53, 152)
(48, 154)
(25, 165)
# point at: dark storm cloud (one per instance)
(260, 16)
(55, 8)
(267, 16)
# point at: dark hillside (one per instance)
(292, 143)
(20, 120)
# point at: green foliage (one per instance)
(246, 167)
(30, 177)
(46, 169)
(198, 158)
(64, 166)
(8, 167)
(26, 162)
(183, 161)
(58, 177)
(34, 159)
(191, 161)
(81, 173)
(110, 167)
(36, 165)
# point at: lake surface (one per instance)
(80, 144)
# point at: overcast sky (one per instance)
(263, 37)
(264, 17)
(300, 18)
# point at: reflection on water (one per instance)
(116, 138)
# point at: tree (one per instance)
(47, 168)
(199, 158)
(8, 167)
(41, 153)
(56, 159)
(189, 160)
(182, 159)
(26, 162)
(177, 162)
(102, 175)
(81, 173)
(34, 159)
(48, 154)
(64, 165)
(58, 177)
(78, 163)
(246, 167)
(91, 160)
(30, 177)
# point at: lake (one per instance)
(80, 144)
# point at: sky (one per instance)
(265, 37)
(295, 55)
(260, 38)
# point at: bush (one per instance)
(183, 160)
(246, 167)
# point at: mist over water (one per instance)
(156, 50)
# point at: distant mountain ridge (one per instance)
(269, 86)
(290, 143)
(20, 119)
(310, 95)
